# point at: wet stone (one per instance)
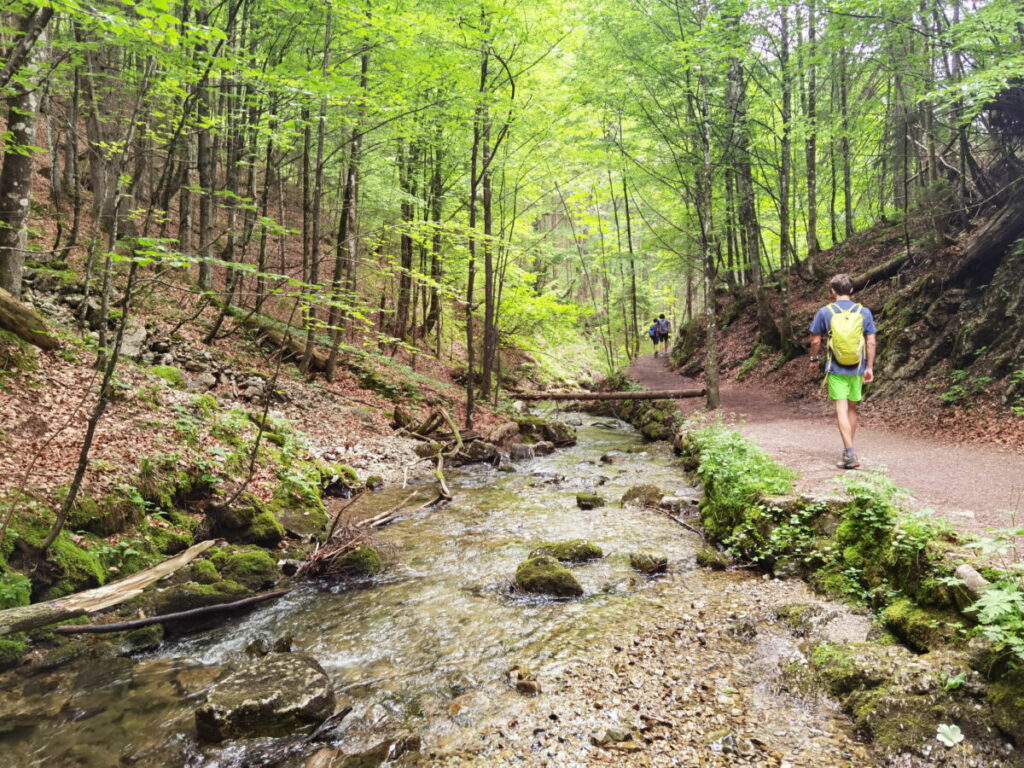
(274, 695)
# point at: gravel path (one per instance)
(971, 486)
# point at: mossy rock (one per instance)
(374, 482)
(709, 557)
(545, 576)
(191, 595)
(246, 523)
(338, 480)
(572, 551)
(254, 569)
(648, 563)
(846, 668)
(589, 501)
(265, 530)
(643, 496)
(1006, 698)
(15, 590)
(173, 376)
(360, 563)
(204, 572)
(300, 514)
(168, 541)
(922, 629)
(67, 569)
(105, 517)
(11, 651)
(142, 640)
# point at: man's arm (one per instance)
(815, 349)
(869, 369)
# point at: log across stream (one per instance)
(426, 649)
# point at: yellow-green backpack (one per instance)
(846, 335)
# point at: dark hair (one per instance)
(841, 284)
(662, 316)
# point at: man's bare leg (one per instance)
(846, 417)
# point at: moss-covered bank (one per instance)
(864, 548)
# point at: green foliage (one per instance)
(11, 651)
(173, 376)
(735, 474)
(965, 388)
(15, 590)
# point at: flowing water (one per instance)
(425, 650)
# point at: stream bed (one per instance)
(682, 669)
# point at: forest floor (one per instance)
(972, 486)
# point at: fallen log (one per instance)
(25, 323)
(124, 626)
(669, 394)
(883, 271)
(26, 617)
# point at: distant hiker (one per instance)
(850, 359)
(664, 331)
(653, 333)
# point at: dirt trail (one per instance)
(967, 484)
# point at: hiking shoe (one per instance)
(849, 461)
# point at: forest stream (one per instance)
(423, 654)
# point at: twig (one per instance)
(123, 626)
(337, 517)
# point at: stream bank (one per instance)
(427, 652)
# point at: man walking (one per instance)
(850, 357)
(664, 331)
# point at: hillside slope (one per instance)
(950, 339)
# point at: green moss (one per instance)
(709, 557)
(265, 529)
(923, 629)
(192, 595)
(842, 669)
(545, 576)
(143, 639)
(362, 562)
(204, 572)
(167, 541)
(111, 514)
(1006, 697)
(173, 376)
(79, 569)
(374, 482)
(255, 569)
(589, 501)
(11, 651)
(205, 405)
(572, 551)
(643, 495)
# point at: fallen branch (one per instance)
(28, 617)
(673, 394)
(337, 517)
(167, 618)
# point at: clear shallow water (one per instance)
(426, 649)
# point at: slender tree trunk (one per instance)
(811, 142)
(16, 188)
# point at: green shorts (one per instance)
(844, 386)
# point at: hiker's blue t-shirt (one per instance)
(822, 323)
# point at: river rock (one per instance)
(134, 339)
(643, 496)
(709, 557)
(572, 551)
(648, 563)
(544, 448)
(520, 452)
(559, 433)
(589, 501)
(476, 452)
(203, 382)
(275, 695)
(545, 576)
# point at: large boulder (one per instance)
(275, 695)
(545, 576)
(478, 451)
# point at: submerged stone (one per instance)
(545, 576)
(648, 563)
(572, 551)
(143, 639)
(589, 501)
(275, 695)
(559, 433)
(643, 496)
